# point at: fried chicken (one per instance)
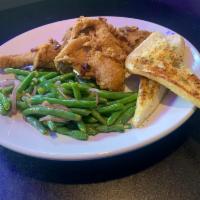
(94, 48)
(132, 35)
(97, 51)
(40, 57)
(45, 54)
(17, 61)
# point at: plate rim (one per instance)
(90, 156)
(82, 157)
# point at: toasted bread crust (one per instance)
(149, 96)
(164, 64)
(187, 86)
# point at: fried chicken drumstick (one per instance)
(40, 57)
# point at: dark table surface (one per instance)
(167, 169)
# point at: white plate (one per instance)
(19, 136)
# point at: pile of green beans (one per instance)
(67, 104)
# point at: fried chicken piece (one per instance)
(40, 57)
(111, 77)
(77, 48)
(17, 60)
(66, 37)
(75, 54)
(101, 38)
(97, 50)
(45, 54)
(132, 35)
(94, 52)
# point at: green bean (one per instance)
(2, 109)
(20, 77)
(51, 125)
(93, 125)
(17, 71)
(50, 95)
(67, 86)
(48, 87)
(82, 87)
(6, 90)
(100, 99)
(53, 80)
(38, 125)
(56, 92)
(60, 124)
(54, 89)
(102, 93)
(97, 116)
(42, 110)
(67, 76)
(41, 90)
(81, 126)
(84, 81)
(91, 131)
(105, 94)
(42, 73)
(67, 91)
(45, 95)
(30, 89)
(50, 75)
(76, 91)
(113, 128)
(46, 84)
(126, 116)
(25, 83)
(126, 100)
(80, 111)
(60, 93)
(68, 102)
(56, 124)
(127, 106)
(26, 99)
(89, 119)
(111, 108)
(72, 133)
(22, 105)
(62, 77)
(23, 72)
(87, 85)
(114, 95)
(4, 100)
(34, 81)
(113, 117)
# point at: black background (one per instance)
(168, 169)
